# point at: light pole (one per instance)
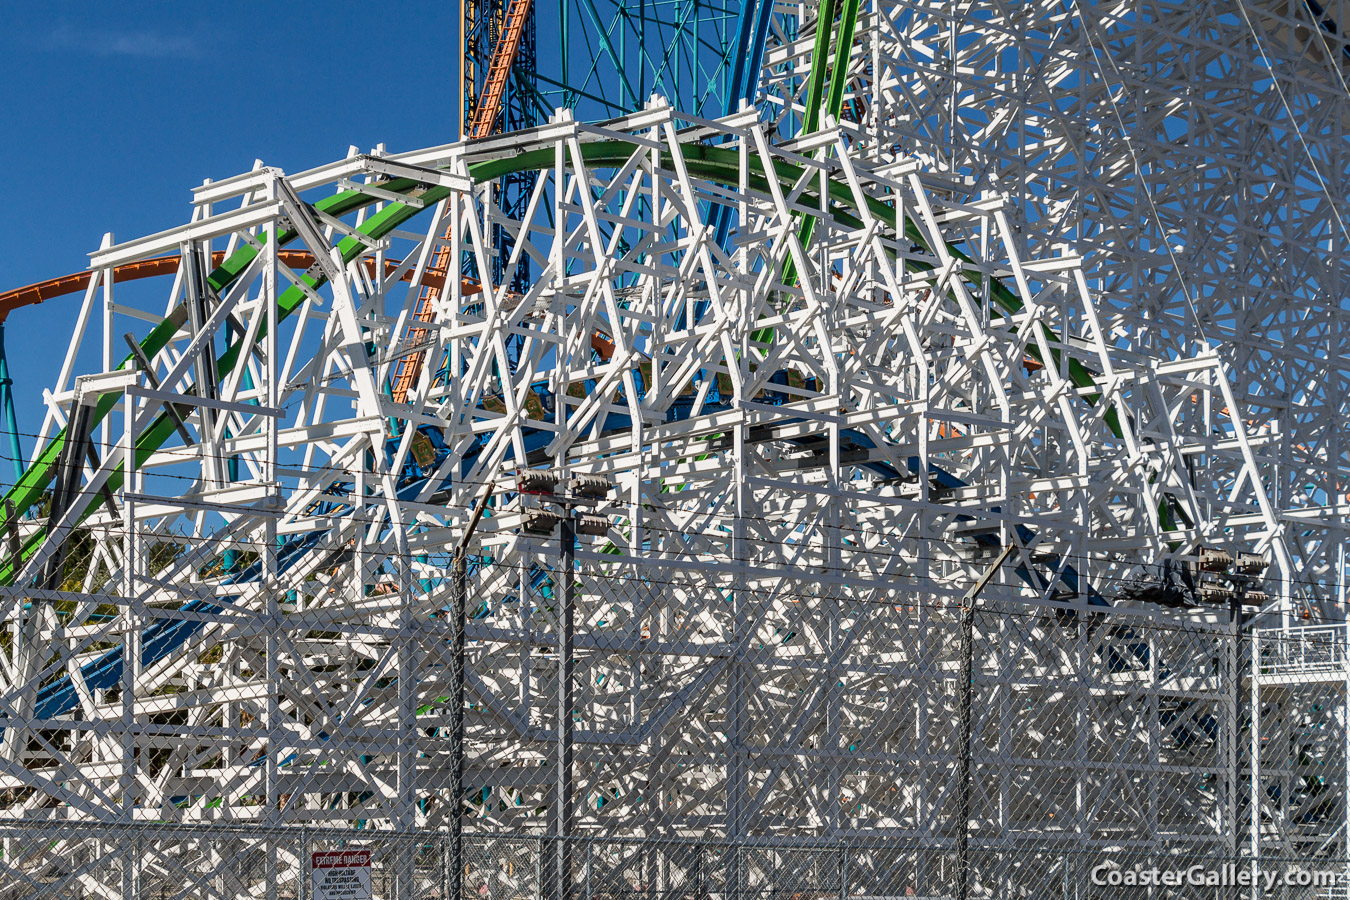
(1221, 578)
(567, 495)
(967, 688)
(458, 606)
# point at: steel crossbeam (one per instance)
(810, 474)
(1194, 152)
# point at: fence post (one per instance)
(1254, 764)
(302, 876)
(963, 783)
(1338, 658)
(128, 873)
(562, 804)
(453, 886)
(966, 686)
(843, 873)
(1232, 729)
(588, 871)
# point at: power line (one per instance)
(821, 547)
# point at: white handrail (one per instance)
(1305, 649)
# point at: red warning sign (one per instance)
(340, 875)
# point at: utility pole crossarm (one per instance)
(989, 574)
(458, 667)
(477, 516)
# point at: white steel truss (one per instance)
(1195, 152)
(1066, 276)
(814, 450)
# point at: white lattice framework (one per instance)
(1195, 152)
(777, 578)
(1073, 285)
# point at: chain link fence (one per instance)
(694, 733)
(156, 862)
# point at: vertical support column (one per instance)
(131, 640)
(965, 749)
(106, 340)
(1155, 761)
(7, 418)
(562, 811)
(834, 691)
(455, 851)
(1083, 683)
(552, 879)
(964, 724)
(735, 785)
(407, 720)
(735, 755)
(408, 639)
(1255, 776)
(268, 552)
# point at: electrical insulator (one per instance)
(1215, 593)
(588, 523)
(1212, 559)
(1255, 598)
(540, 521)
(537, 481)
(593, 486)
(1251, 563)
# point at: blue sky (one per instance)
(112, 112)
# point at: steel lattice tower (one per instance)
(611, 56)
(521, 107)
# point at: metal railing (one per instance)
(1304, 650)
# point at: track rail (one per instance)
(484, 123)
(155, 267)
(713, 163)
(499, 70)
